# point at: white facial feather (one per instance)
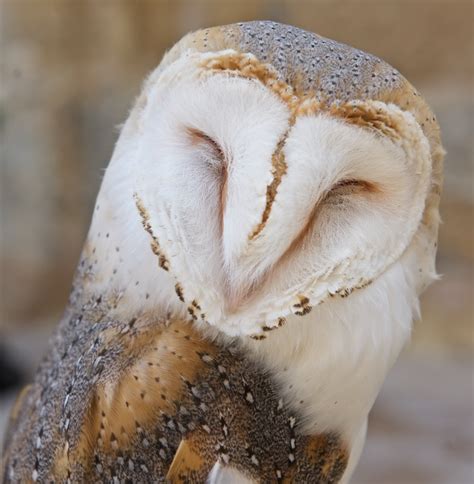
(191, 176)
(201, 167)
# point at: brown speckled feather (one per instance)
(145, 399)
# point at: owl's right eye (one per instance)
(202, 140)
(213, 154)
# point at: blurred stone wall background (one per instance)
(70, 70)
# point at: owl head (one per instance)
(254, 181)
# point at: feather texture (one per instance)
(266, 179)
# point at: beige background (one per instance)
(70, 70)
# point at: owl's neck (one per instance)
(117, 260)
(331, 363)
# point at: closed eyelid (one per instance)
(197, 137)
(357, 185)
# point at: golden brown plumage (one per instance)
(168, 403)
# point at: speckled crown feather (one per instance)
(312, 64)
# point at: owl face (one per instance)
(258, 202)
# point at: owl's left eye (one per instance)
(354, 186)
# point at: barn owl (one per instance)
(263, 231)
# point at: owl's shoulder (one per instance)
(135, 398)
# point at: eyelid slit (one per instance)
(357, 185)
(198, 137)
